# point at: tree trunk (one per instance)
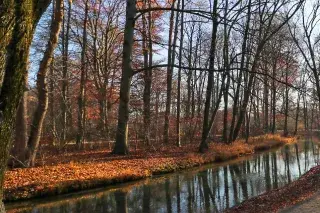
(149, 75)
(65, 57)
(52, 108)
(103, 113)
(305, 113)
(147, 53)
(83, 78)
(26, 18)
(285, 130)
(297, 115)
(171, 55)
(274, 90)
(19, 147)
(227, 70)
(245, 101)
(42, 86)
(205, 127)
(266, 100)
(121, 144)
(178, 139)
(6, 17)
(242, 63)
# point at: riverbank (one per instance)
(283, 199)
(87, 170)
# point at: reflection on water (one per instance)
(209, 190)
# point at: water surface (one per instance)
(213, 188)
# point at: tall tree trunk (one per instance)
(51, 105)
(42, 86)
(65, 58)
(274, 90)
(189, 77)
(178, 139)
(227, 70)
(297, 115)
(104, 104)
(149, 82)
(225, 112)
(19, 147)
(105, 99)
(188, 105)
(205, 128)
(103, 113)
(20, 139)
(286, 111)
(83, 78)
(156, 125)
(266, 100)
(242, 65)
(305, 113)
(121, 145)
(27, 14)
(6, 27)
(147, 52)
(171, 50)
(247, 94)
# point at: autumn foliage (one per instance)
(90, 169)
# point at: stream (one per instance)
(212, 188)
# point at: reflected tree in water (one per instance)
(121, 201)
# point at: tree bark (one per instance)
(83, 78)
(65, 65)
(205, 127)
(178, 130)
(286, 111)
(227, 70)
(19, 147)
(27, 14)
(6, 27)
(297, 115)
(266, 100)
(147, 55)
(52, 108)
(242, 64)
(121, 144)
(171, 55)
(274, 90)
(42, 85)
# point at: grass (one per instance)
(268, 141)
(254, 144)
(87, 170)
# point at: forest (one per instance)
(95, 93)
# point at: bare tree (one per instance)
(42, 85)
(121, 145)
(83, 78)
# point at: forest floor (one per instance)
(60, 173)
(300, 196)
